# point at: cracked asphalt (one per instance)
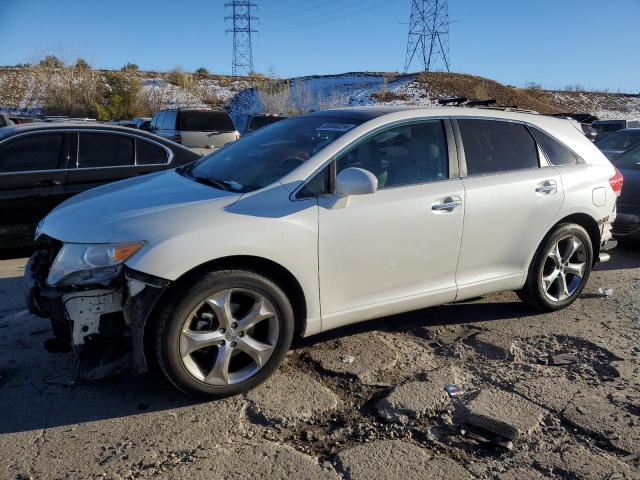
(361, 402)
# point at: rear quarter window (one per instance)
(206, 121)
(493, 146)
(148, 153)
(557, 153)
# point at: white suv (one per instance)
(317, 222)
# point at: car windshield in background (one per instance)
(263, 121)
(206, 121)
(629, 160)
(267, 155)
(620, 140)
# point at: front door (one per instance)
(396, 249)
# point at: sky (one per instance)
(556, 43)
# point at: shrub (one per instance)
(130, 67)
(385, 95)
(51, 61)
(202, 72)
(120, 97)
(178, 77)
(82, 64)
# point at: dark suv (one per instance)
(43, 164)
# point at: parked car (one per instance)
(607, 127)
(616, 143)
(5, 121)
(247, 123)
(317, 222)
(43, 164)
(585, 121)
(209, 129)
(627, 224)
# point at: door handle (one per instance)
(447, 204)
(48, 183)
(547, 188)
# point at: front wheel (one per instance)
(559, 270)
(224, 334)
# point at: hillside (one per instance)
(87, 92)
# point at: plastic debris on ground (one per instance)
(605, 292)
(454, 390)
(347, 358)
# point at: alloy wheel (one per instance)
(229, 336)
(564, 268)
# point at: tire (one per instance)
(206, 328)
(548, 296)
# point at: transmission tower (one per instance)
(241, 19)
(428, 35)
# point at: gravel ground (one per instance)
(361, 402)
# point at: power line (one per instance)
(321, 21)
(242, 30)
(428, 35)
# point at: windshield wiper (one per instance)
(228, 185)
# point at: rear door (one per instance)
(206, 129)
(512, 198)
(31, 182)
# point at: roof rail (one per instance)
(481, 103)
(458, 101)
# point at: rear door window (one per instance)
(555, 151)
(148, 153)
(105, 150)
(492, 146)
(206, 121)
(31, 152)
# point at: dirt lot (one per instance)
(361, 402)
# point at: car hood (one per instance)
(140, 208)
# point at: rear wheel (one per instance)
(560, 269)
(224, 334)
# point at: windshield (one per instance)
(268, 154)
(620, 140)
(629, 160)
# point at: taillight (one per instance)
(177, 139)
(616, 182)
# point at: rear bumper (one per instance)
(103, 323)
(627, 224)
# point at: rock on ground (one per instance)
(393, 460)
(503, 413)
(370, 354)
(594, 413)
(291, 396)
(418, 398)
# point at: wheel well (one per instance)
(274, 271)
(590, 225)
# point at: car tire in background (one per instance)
(224, 333)
(560, 269)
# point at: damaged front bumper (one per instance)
(104, 324)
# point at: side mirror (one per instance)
(356, 181)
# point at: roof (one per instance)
(41, 126)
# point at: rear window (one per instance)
(29, 153)
(555, 151)
(620, 140)
(492, 146)
(206, 121)
(105, 150)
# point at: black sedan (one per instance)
(627, 224)
(43, 164)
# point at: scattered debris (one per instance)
(562, 359)
(605, 292)
(347, 358)
(454, 390)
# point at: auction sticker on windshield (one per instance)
(336, 127)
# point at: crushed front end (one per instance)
(103, 322)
